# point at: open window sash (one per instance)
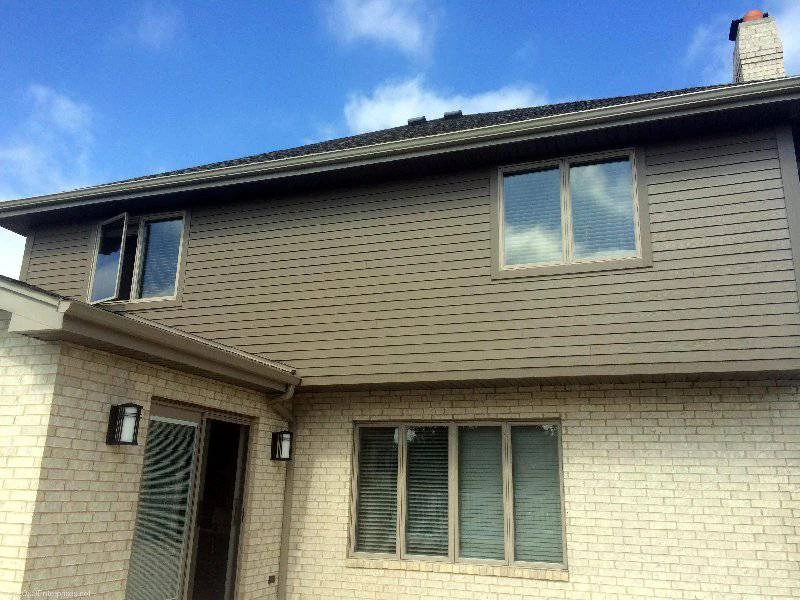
(118, 271)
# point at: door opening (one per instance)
(219, 511)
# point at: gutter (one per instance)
(643, 110)
(49, 317)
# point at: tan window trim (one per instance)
(453, 534)
(136, 303)
(568, 266)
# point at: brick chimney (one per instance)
(758, 53)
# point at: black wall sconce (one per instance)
(281, 445)
(123, 425)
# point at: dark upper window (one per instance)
(137, 258)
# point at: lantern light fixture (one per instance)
(123, 424)
(281, 445)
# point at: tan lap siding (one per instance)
(60, 260)
(393, 282)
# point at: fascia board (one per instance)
(49, 318)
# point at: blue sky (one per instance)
(98, 91)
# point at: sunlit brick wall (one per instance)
(27, 377)
(672, 490)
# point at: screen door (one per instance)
(163, 515)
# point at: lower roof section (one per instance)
(46, 316)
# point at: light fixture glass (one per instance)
(123, 424)
(281, 445)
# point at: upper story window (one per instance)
(460, 492)
(137, 258)
(570, 215)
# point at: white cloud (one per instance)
(532, 245)
(406, 25)
(391, 104)
(712, 52)
(49, 151)
(153, 26)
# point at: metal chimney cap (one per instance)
(417, 120)
(453, 114)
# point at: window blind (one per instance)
(427, 491)
(480, 493)
(162, 516)
(537, 493)
(160, 258)
(532, 218)
(376, 511)
(602, 210)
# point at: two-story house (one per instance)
(549, 352)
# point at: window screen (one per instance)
(162, 243)
(376, 523)
(498, 478)
(427, 490)
(532, 218)
(537, 493)
(576, 212)
(602, 210)
(480, 493)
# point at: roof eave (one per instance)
(48, 317)
(633, 112)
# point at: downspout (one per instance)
(277, 404)
(287, 413)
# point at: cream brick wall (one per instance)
(82, 527)
(27, 378)
(672, 490)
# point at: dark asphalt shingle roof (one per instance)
(433, 127)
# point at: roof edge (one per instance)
(42, 315)
(640, 110)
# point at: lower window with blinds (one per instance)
(459, 492)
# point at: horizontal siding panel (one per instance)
(617, 363)
(467, 238)
(713, 172)
(723, 193)
(689, 168)
(720, 230)
(717, 145)
(244, 231)
(404, 304)
(676, 216)
(701, 183)
(401, 233)
(261, 321)
(375, 201)
(783, 347)
(435, 272)
(392, 281)
(565, 332)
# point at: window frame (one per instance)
(453, 529)
(643, 257)
(139, 221)
(98, 235)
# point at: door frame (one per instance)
(166, 409)
(188, 565)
